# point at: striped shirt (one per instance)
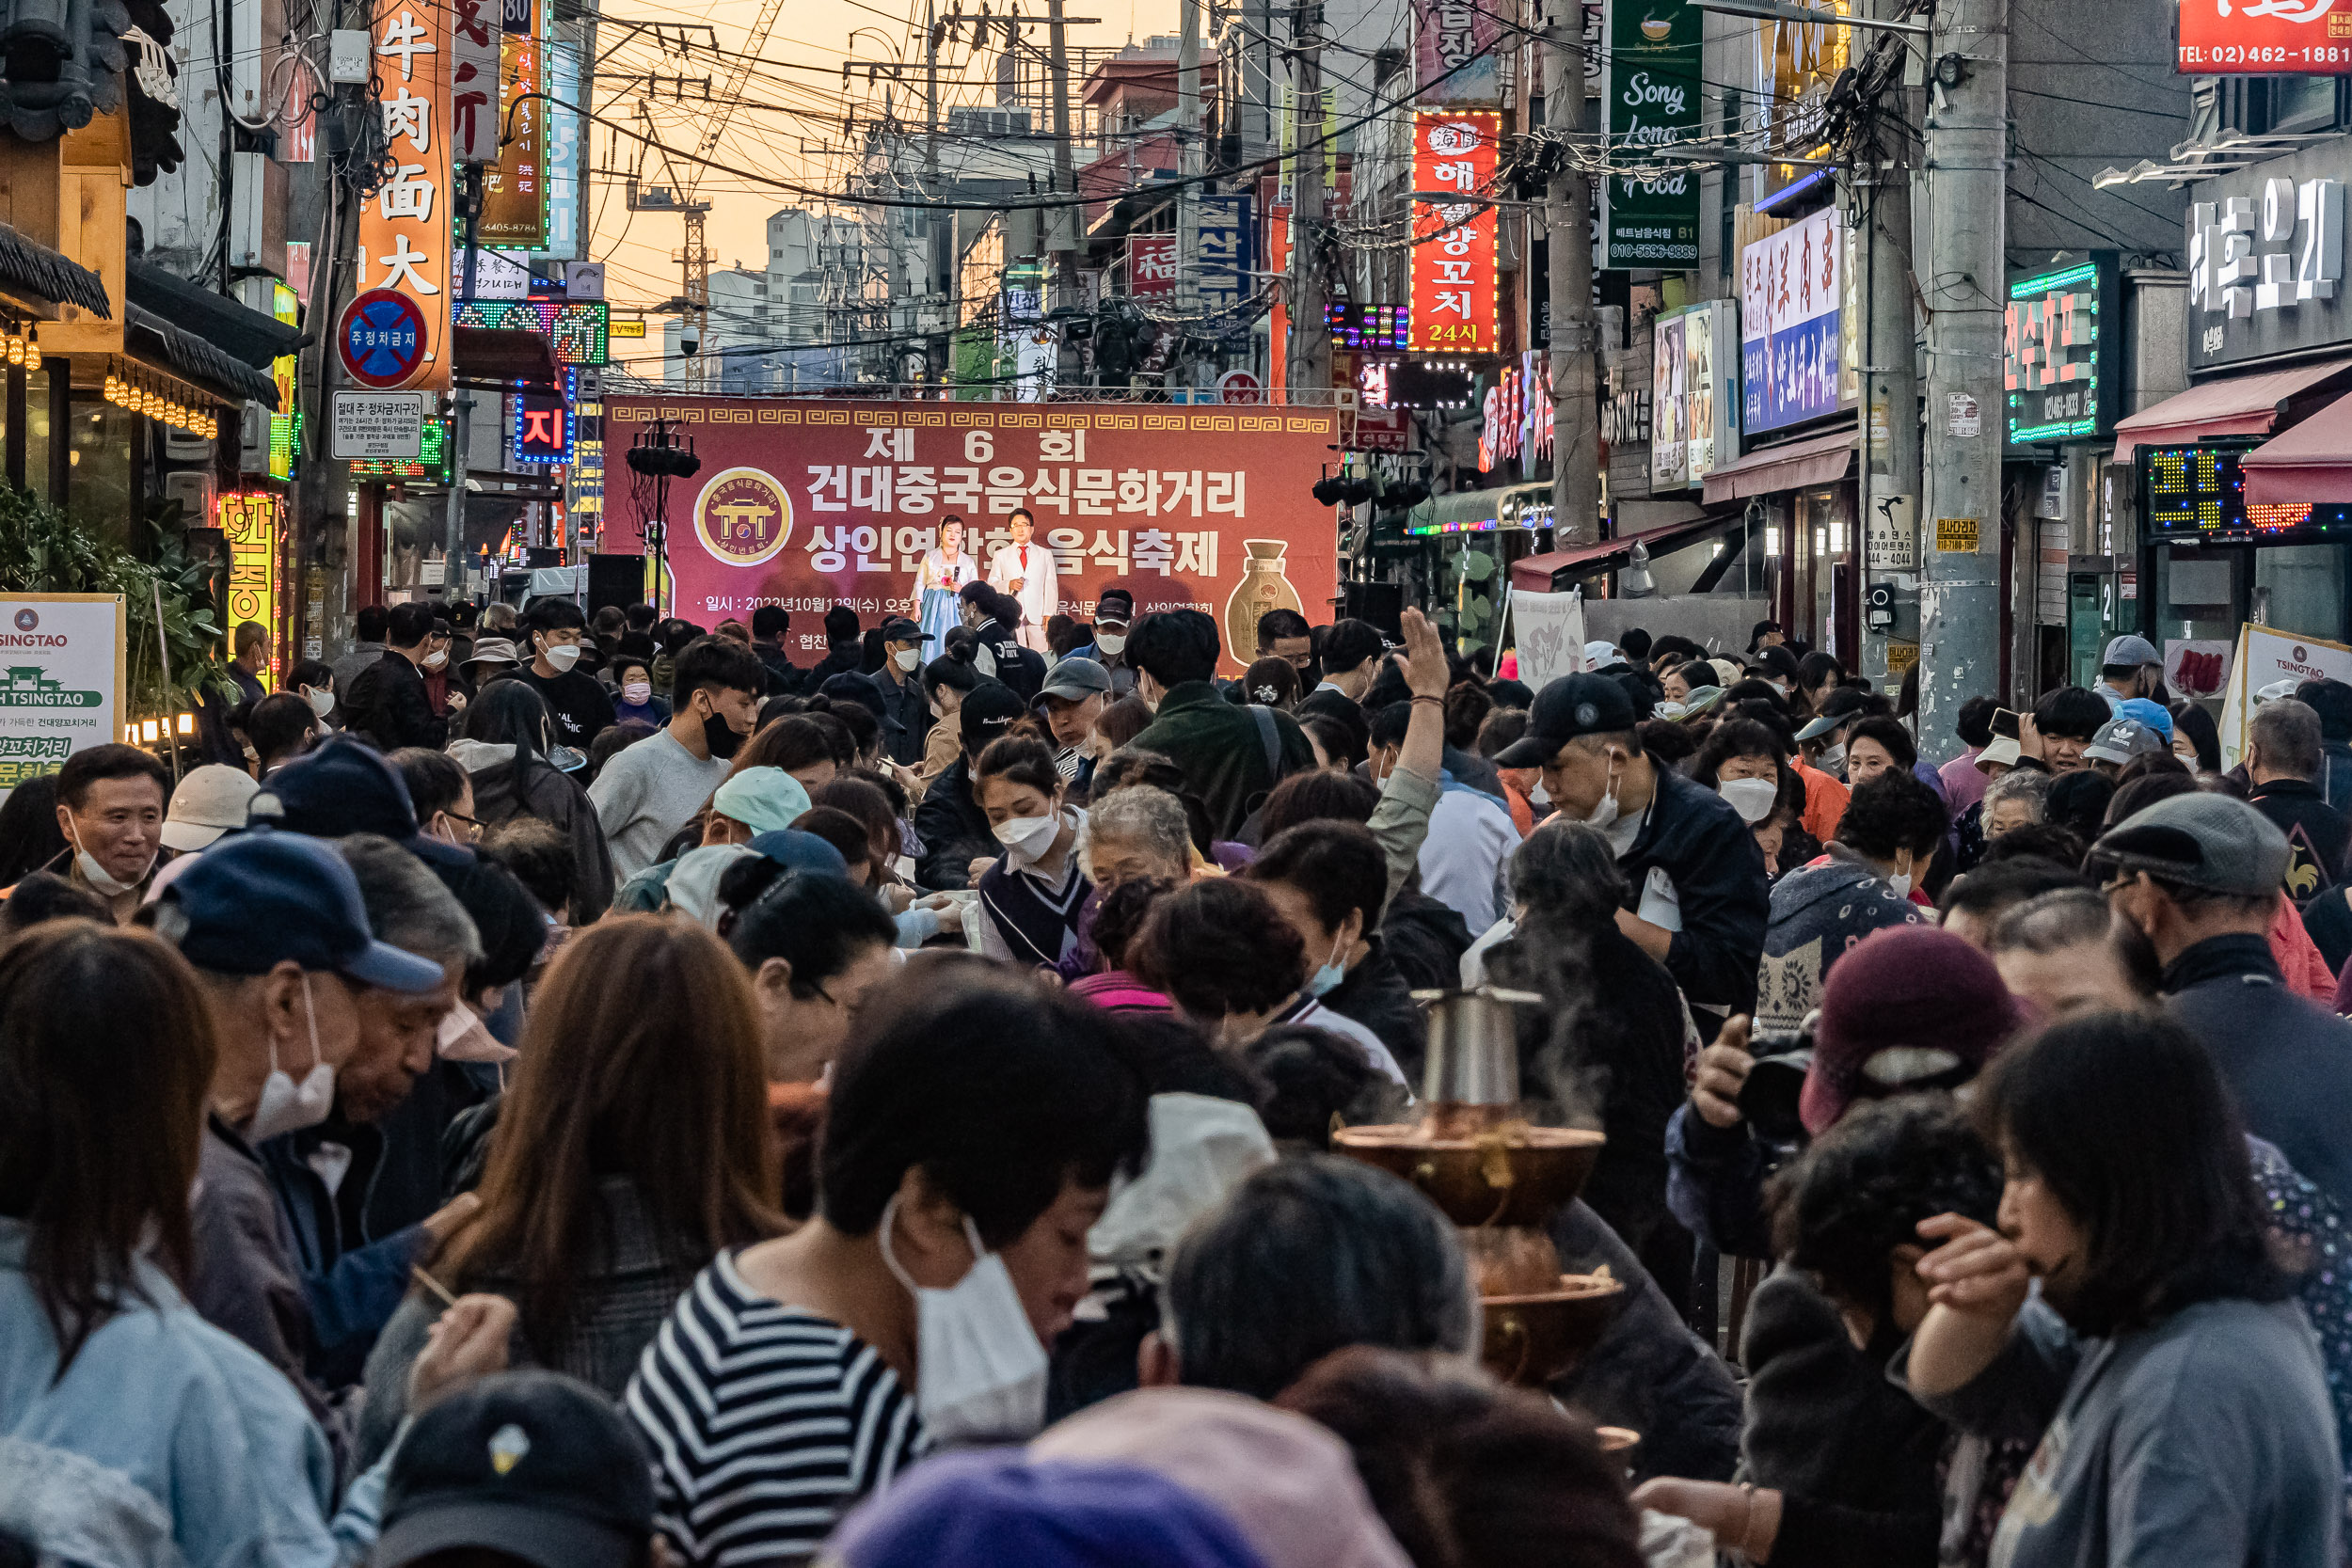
(767, 1423)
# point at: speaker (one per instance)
(615, 579)
(1381, 603)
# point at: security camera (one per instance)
(689, 345)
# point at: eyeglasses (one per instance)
(473, 826)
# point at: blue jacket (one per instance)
(164, 1441)
(354, 1283)
(1709, 858)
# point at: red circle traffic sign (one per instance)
(382, 338)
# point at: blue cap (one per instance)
(2149, 712)
(799, 851)
(765, 799)
(254, 901)
(342, 787)
(981, 1508)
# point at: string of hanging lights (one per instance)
(157, 398)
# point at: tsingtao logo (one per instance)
(28, 619)
(743, 516)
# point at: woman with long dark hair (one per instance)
(632, 1147)
(2177, 1391)
(504, 751)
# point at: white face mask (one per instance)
(1751, 798)
(1832, 758)
(636, 693)
(1029, 836)
(908, 658)
(322, 703)
(1111, 642)
(286, 1106)
(1605, 811)
(98, 877)
(563, 656)
(1901, 880)
(983, 1370)
(435, 660)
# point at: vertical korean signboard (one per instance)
(2051, 348)
(474, 78)
(1651, 85)
(515, 192)
(810, 504)
(394, 334)
(1792, 289)
(1453, 243)
(1456, 49)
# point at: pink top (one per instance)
(1963, 781)
(1118, 992)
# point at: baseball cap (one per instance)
(797, 851)
(1566, 708)
(210, 801)
(531, 1464)
(985, 1508)
(762, 798)
(262, 899)
(341, 787)
(1600, 652)
(899, 629)
(1075, 679)
(1116, 605)
(2201, 841)
(1907, 1007)
(2121, 739)
(988, 710)
(2128, 649)
(2150, 713)
(1777, 663)
(1839, 708)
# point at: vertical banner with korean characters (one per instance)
(1791, 298)
(62, 683)
(515, 192)
(394, 334)
(1453, 243)
(1457, 45)
(812, 504)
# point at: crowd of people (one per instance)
(568, 1090)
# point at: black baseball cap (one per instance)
(260, 899)
(1566, 708)
(348, 786)
(899, 629)
(989, 710)
(1116, 605)
(531, 1464)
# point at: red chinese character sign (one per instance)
(2233, 37)
(812, 504)
(1150, 265)
(474, 99)
(395, 332)
(1454, 243)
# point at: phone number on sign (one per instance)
(2317, 54)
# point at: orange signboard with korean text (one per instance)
(810, 504)
(1454, 243)
(404, 227)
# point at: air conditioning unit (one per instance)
(181, 446)
(193, 489)
(253, 440)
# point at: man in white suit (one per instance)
(1025, 569)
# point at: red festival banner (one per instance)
(810, 504)
(1454, 243)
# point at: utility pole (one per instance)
(939, 227)
(1310, 356)
(1960, 524)
(1890, 376)
(1189, 165)
(453, 546)
(1063, 221)
(1569, 227)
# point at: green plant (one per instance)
(43, 551)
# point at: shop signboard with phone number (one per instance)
(2310, 38)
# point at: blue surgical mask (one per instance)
(1326, 979)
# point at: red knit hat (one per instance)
(1911, 1006)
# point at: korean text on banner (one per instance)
(808, 505)
(2266, 655)
(515, 191)
(1454, 243)
(1549, 628)
(1652, 92)
(1791, 288)
(473, 75)
(2217, 37)
(1457, 44)
(404, 229)
(61, 679)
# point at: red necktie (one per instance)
(1025, 558)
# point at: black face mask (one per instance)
(722, 738)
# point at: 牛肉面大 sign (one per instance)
(2264, 247)
(2055, 344)
(809, 505)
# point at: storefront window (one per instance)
(37, 428)
(101, 459)
(2303, 588)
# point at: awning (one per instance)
(151, 340)
(1535, 573)
(1815, 459)
(1476, 511)
(2236, 405)
(34, 275)
(497, 354)
(237, 330)
(2312, 461)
